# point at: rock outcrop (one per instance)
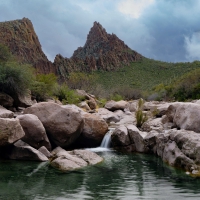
(21, 39)
(102, 51)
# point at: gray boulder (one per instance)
(63, 124)
(73, 160)
(10, 131)
(93, 131)
(116, 105)
(4, 113)
(137, 137)
(35, 134)
(45, 151)
(107, 115)
(187, 116)
(23, 151)
(120, 137)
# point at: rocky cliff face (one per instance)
(20, 37)
(102, 51)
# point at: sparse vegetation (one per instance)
(141, 117)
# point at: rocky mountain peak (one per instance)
(21, 39)
(103, 51)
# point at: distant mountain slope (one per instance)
(102, 51)
(20, 37)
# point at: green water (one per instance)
(120, 176)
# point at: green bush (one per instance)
(66, 95)
(43, 86)
(15, 78)
(116, 97)
(187, 87)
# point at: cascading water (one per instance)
(106, 142)
(107, 139)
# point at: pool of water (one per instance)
(120, 176)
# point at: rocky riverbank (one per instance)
(44, 131)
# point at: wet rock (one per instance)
(45, 151)
(137, 137)
(93, 131)
(23, 151)
(73, 160)
(120, 137)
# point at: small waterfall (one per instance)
(107, 139)
(106, 142)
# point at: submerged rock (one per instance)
(73, 160)
(23, 151)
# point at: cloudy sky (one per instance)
(167, 30)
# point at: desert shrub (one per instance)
(127, 92)
(79, 80)
(116, 97)
(66, 95)
(187, 87)
(141, 117)
(101, 102)
(15, 78)
(43, 86)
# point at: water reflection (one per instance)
(120, 176)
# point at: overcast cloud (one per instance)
(167, 30)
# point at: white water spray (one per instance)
(106, 142)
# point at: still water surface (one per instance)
(120, 176)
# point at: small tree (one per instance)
(141, 117)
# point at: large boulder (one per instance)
(63, 124)
(93, 131)
(73, 160)
(137, 137)
(116, 105)
(35, 134)
(23, 100)
(107, 115)
(6, 100)
(120, 137)
(187, 116)
(180, 148)
(10, 131)
(23, 151)
(4, 113)
(153, 124)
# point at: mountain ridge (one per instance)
(102, 51)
